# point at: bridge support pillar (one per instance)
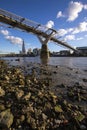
(44, 51)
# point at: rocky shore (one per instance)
(37, 97)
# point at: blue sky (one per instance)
(68, 17)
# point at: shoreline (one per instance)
(46, 96)
(18, 55)
(60, 61)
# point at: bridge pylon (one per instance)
(44, 48)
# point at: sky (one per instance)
(67, 17)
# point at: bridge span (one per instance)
(29, 26)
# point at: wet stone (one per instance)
(6, 118)
(2, 92)
(79, 116)
(44, 116)
(28, 102)
(82, 127)
(85, 80)
(19, 94)
(2, 107)
(27, 96)
(58, 109)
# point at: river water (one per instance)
(72, 62)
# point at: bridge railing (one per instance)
(23, 20)
(34, 25)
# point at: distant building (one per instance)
(82, 50)
(29, 51)
(55, 53)
(36, 51)
(65, 52)
(23, 48)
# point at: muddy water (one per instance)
(72, 62)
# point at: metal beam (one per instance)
(29, 26)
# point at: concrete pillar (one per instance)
(44, 51)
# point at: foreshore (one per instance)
(42, 97)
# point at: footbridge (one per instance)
(43, 33)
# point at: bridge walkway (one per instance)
(29, 26)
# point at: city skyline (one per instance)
(68, 18)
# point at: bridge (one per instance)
(43, 33)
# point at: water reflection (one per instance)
(44, 60)
(24, 61)
(73, 62)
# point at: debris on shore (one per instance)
(28, 101)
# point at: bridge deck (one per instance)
(29, 26)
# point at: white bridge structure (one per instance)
(43, 33)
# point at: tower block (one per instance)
(23, 48)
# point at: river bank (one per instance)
(42, 97)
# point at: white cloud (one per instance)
(80, 38)
(69, 37)
(82, 27)
(85, 6)
(69, 30)
(70, 33)
(4, 32)
(59, 14)
(14, 40)
(50, 24)
(73, 10)
(62, 32)
(45, 27)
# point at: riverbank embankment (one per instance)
(42, 97)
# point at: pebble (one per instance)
(27, 102)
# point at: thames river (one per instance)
(72, 62)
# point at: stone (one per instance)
(6, 118)
(83, 127)
(27, 96)
(21, 82)
(2, 92)
(7, 78)
(31, 122)
(19, 94)
(85, 80)
(44, 116)
(58, 109)
(57, 121)
(36, 105)
(79, 116)
(22, 118)
(2, 107)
